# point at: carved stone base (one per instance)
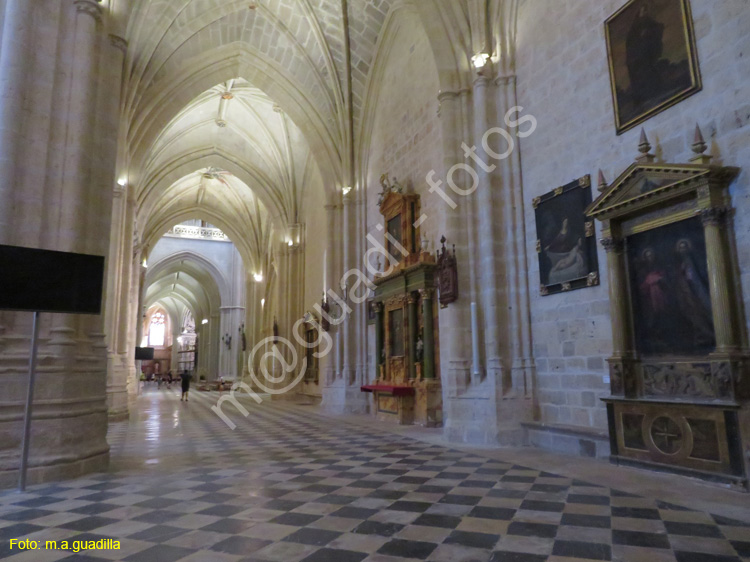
(704, 440)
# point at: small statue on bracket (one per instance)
(447, 274)
(388, 187)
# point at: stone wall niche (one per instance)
(679, 369)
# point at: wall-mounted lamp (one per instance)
(122, 182)
(258, 277)
(145, 262)
(205, 321)
(290, 243)
(262, 302)
(346, 190)
(480, 60)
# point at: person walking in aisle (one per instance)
(185, 385)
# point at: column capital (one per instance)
(482, 81)
(506, 80)
(715, 216)
(612, 245)
(427, 294)
(90, 7)
(450, 95)
(119, 43)
(411, 298)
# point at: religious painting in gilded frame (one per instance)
(669, 290)
(653, 61)
(566, 240)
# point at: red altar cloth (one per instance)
(392, 389)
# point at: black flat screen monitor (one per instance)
(46, 281)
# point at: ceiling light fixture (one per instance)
(480, 60)
(258, 277)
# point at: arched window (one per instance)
(157, 330)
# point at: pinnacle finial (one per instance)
(602, 181)
(644, 146)
(699, 144)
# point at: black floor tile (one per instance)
(315, 537)
(692, 529)
(89, 523)
(473, 540)
(239, 545)
(516, 557)
(498, 513)
(378, 528)
(228, 526)
(636, 512)
(588, 499)
(161, 552)
(585, 550)
(436, 520)
(354, 512)
(636, 538)
(333, 555)
(458, 499)
(582, 520)
(407, 549)
(415, 507)
(295, 519)
(541, 530)
(158, 533)
(535, 505)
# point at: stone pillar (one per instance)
(80, 134)
(379, 337)
(617, 295)
(412, 315)
(621, 376)
(15, 56)
(723, 315)
(348, 327)
(491, 249)
(428, 365)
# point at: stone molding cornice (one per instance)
(90, 7)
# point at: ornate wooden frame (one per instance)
(709, 391)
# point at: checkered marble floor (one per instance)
(290, 485)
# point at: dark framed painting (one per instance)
(669, 292)
(396, 331)
(566, 239)
(653, 60)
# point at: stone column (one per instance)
(617, 295)
(412, 315)
(348, 327)
(379, 337)
(621, 376)
(80, 134)
(16, 54)
(723, 315)
(428, 365)
(490, 246)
